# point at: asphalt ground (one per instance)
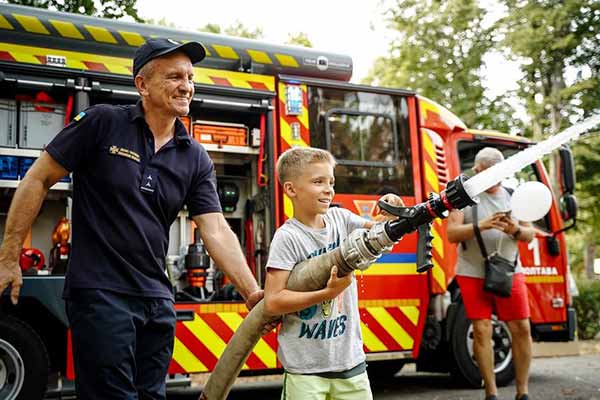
(566, 377)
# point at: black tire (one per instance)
(23, 361)
(465, 367)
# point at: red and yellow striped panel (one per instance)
(438, 228)
(123, 66)
(390, 324)
(438, 118)
(288, 136)
(199, 343)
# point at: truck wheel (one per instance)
(465, 368)
(23, 361)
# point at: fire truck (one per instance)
(253, 101)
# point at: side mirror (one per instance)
(567, 170)
(568, 207)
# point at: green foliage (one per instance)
(438, 52)
(587, 305)
(299, 39)
(238, 29)
(98, 8)
(552, 37)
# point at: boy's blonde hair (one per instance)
(294, 160)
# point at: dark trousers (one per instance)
(122, 344)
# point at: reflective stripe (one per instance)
(66, 29)
(31, 24)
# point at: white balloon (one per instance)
(530, 201)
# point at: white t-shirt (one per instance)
(470, 261)
(325, 337)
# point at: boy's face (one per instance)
(312, 190)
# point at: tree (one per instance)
(98, 8)
(300, 39)
(552, 37)
(439, 52)
(238, 29)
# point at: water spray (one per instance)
(363, 247)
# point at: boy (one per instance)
(320, 344)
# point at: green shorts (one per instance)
(313, 387)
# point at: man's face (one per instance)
(313, 188)
(169, 86)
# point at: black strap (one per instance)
(478, 232)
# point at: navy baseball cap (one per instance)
(158, 47)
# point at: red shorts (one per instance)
(480, 304)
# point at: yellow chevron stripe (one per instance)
(389, 303)
(303, 118)
(132, 38)
(437, 242)
(226, 52)
(206, 335)
(260, 56)
(428, 145)
(286, 135)
(411, 313)
(31, 24)
(286, 61)
(234, 77)
(66, 29)
(379, 269)
(4, 24)
(262, 350)
(288, 207)
(392, 327)
(370, 340)
(212, 308)
(101, 34)
(544, 279)
(186, 358)
(438, 274)
(431, 178)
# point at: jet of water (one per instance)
(491, 176)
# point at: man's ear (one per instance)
(141, 85)
(288, 188)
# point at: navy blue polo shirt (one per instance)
(126, 196)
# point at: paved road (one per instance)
(572, 378)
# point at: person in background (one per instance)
(500, 233)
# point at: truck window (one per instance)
(466, 154)
(368, 135)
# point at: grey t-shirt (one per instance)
(470, 260)
(325, 337)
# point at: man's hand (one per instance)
(252, 300)
(336, 285)
(10, 275)
(392, 199)
(512, 226)
(494, 221)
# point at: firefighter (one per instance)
(134, 167)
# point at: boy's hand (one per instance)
(392, 199)
(336, 285)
